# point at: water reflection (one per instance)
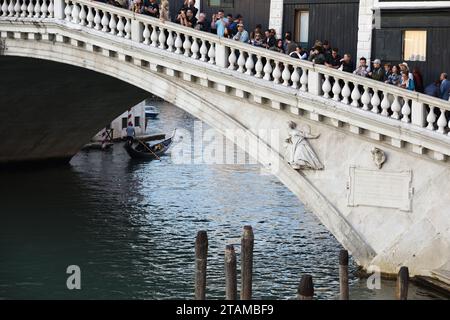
(131, 226)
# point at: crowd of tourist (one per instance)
(321, 52)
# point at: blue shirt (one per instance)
(242, 37)
(445, 89)
(221, 26)
(130, 131)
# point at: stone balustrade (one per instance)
(357, 92)
(27, 8)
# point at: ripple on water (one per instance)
(131, 227)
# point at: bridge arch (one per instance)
(251, 97)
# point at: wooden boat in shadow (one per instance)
(143, 150)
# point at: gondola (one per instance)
(147, 151)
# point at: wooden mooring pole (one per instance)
(306, 288)
(230, 273)
(401, 291)
(247, 263)
(201, 253)
(343, 275)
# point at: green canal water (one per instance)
(130, 226)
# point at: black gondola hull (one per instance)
(139, 151)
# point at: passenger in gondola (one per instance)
(131, 133)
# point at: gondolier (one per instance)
(138, 149)
(131, 133)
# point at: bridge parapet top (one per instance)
(375, 97)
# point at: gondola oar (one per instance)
(146, 146)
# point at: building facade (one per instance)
(119, 125)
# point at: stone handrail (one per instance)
(358, 92)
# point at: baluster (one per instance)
(304, 80)
(326, 87)
(17, 8)
(356, 95)
(120, 26)
(97, 20)
(249, 65)
(365, 99)
(346, 93)
(105, 21)
(11, 8)
(442, 122)
(127, 29)
(37, 9)
(112, 24)
(82, 15)
(204, 51)
(23, 8)
(162, 39)
(276, 74)
(90, 18)
(187, 46)
(5, 8)
(395, 108)
(232, 59)
(268, 70)
(406, 110)
(195, 49)
(241, 62)
(431, 119)
(44, 9)
(448, 128)
(146, 34)
(259, 67)
(178, 44)
(286, 75)
(30, 10)
(295, 78)
(76, 13)
(51, 9)
(154, 37)
(375, 102)
(336, 90)
(385, 105)
(212, 54)
(171, 42)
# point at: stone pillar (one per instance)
(365, 26)
(276, 16)
(314, 83)
(418, 114)
(58, 9)
(137, 30)
(222, 55)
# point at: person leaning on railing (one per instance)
(407, 83)
(445, 86)
(395, 77)
(242, 34)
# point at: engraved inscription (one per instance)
(380, 189)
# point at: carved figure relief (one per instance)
(299, 152)
(378, 156)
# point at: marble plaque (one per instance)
(384, 189)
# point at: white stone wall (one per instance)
(364, 48)
(276, 16)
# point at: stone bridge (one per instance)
(386, 213)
